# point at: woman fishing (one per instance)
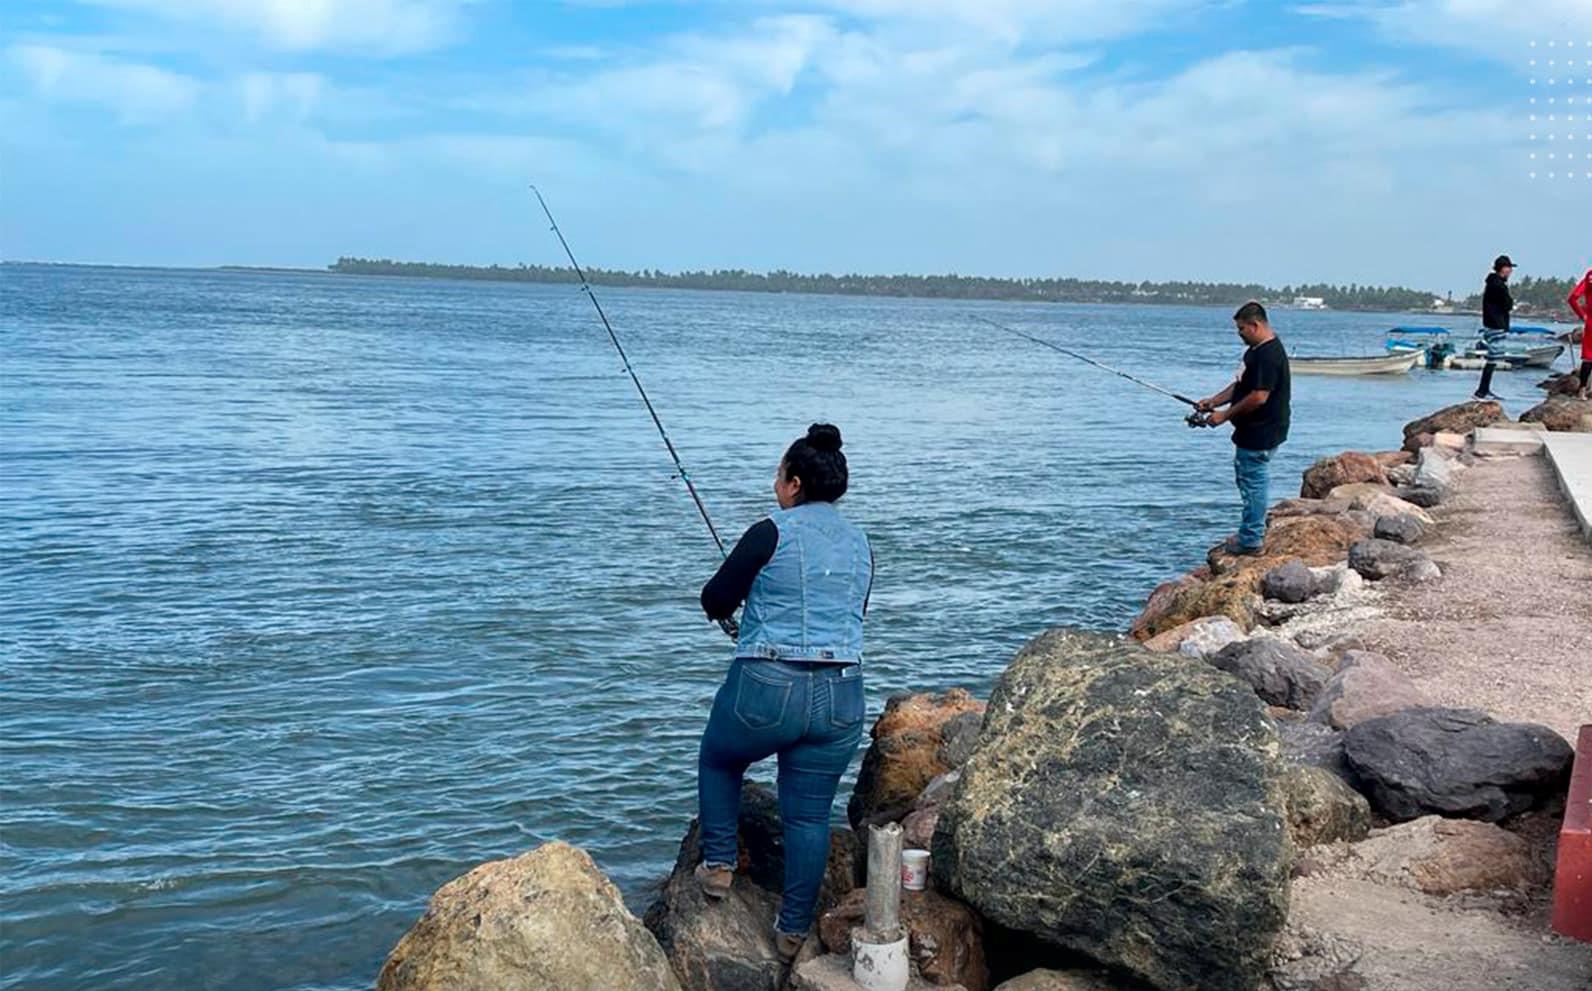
(795, 685)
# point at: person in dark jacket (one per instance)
(794, 687)
(1496, 304)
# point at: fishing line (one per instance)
(1195, 419)
(727, 625)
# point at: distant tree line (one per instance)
(1350, 297)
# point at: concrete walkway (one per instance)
(1571, 458)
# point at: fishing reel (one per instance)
(1198, 419)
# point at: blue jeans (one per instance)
(811, 716)
(1254, 487)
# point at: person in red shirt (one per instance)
(1581, 303)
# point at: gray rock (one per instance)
(1376, 559)
(1401, 528)
(1456, 762)
(1424, 570)
(726, 945)
(1322, 808)
(957, 738)
(1434, 473)
(1127, 806)
(1424, 498)
(1290, 581)
(1308, 744)
(1279, 672)
(1401, 475)
(1365, 686)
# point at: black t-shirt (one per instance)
(1265, 370)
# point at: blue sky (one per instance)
(1376, 141)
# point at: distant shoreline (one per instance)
(970, 288)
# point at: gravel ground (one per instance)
(1508, 628)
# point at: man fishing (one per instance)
(1496, 304)
(1258, 407)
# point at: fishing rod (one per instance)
(727, 625)
(1194, 419)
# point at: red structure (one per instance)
(1572, 880)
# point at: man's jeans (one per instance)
(811, 716)
(1254, 487)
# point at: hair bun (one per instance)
(824, 436)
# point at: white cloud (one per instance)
(137, 93)
(295, 94)
(1502, 29)
(1013, 21)
(377, 27)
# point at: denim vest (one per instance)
(806, 603)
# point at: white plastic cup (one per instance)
(914, 869)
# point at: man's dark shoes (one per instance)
(1233, 547)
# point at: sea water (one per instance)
(319, 590)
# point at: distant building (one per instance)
(1309, 303)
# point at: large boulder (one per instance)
(1376, 559)
(1456, 762)
(1365, 686)
(944, 937)
(1279, 672)
(1461, 418)
(1561, 413)
(1322, 808)
(909, 748)
(1127, 806)
(1446, 856)
(544, 919)
(1341, 469)
(728, 945)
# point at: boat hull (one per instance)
(1389, 364)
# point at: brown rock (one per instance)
(545, 919)
(906, 754)
(1158, 605)
(1443, 856)
(1065, 980)
(1308, 507)
(1329, 473)
(1392, 459)
(1561, 413)
(1458, 419)
(1365, 686)
(1567, 384)
(918, 828)
(1322, 808)
(946, 937)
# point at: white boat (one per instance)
(1381, 364)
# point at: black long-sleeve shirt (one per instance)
(729, 586)
(1496, 303)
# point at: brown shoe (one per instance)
(787, 945)
(715, 881)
